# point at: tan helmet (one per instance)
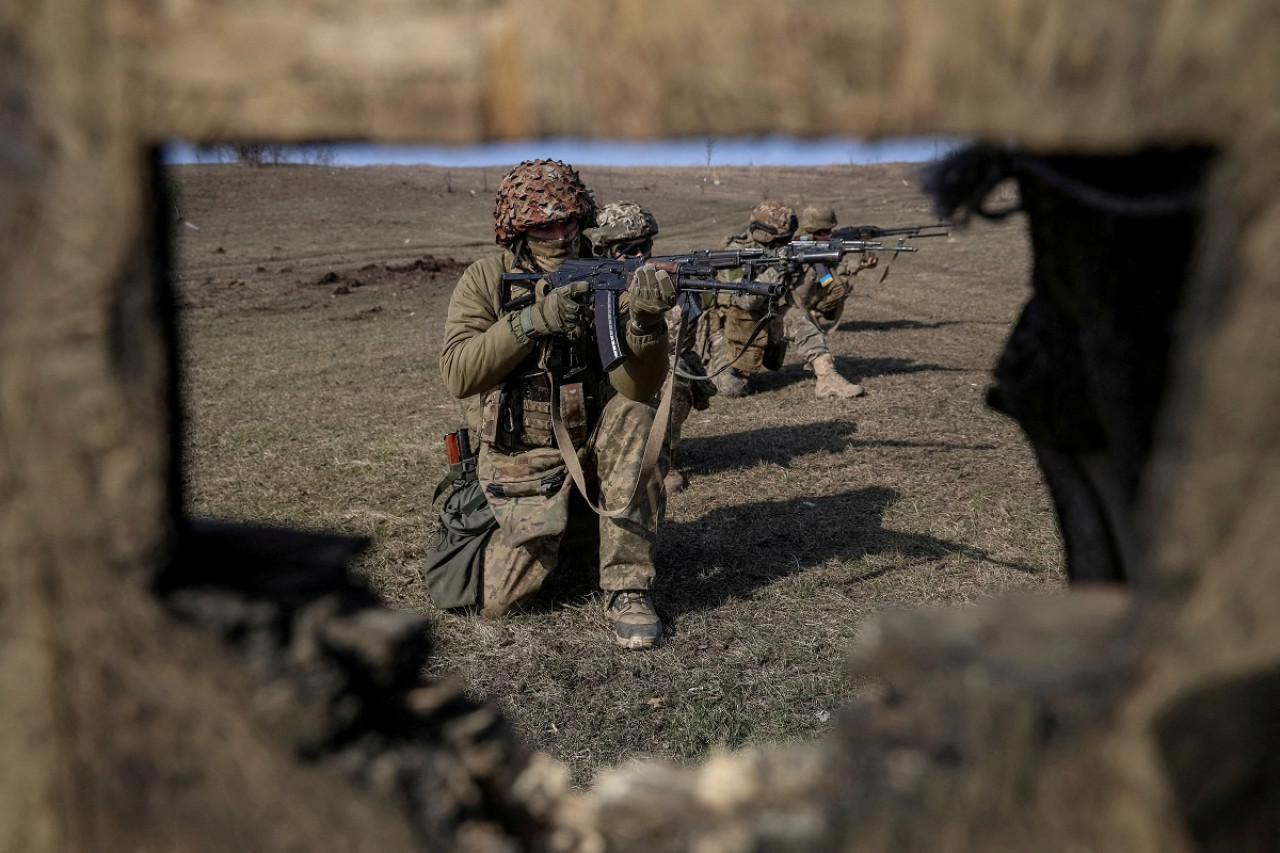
(622, 222)
(816, 218)
(771, 220)
(536, 192)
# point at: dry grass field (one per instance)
(312, 305)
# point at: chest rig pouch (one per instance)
(516, 415)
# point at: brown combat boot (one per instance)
(634, 621)
(831, 383)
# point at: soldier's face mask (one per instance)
(552, 243)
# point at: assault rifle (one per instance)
(875, 232)
(809, 252)
(831, 251)
(693, 272)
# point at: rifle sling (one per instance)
(652, 444)
(760, 324)
(684, 374)
(888, 265)
(657, 432)
(458, 472)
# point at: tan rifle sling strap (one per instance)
(652, 445)
(760, 324)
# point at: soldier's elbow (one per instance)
(455, 381)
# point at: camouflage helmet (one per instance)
(817, 218)
(536, 192)
(622, 222)
(771, 220)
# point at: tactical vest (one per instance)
(516, 414)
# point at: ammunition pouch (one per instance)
(516, 415)
(547, 485)
(526, 491)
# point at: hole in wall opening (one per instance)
(313, 293)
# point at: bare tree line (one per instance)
(259, 154)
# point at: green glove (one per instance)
(559, 312)
(652, 293)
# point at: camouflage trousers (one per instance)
(539, 534)
(681, 406)
(682, 344)
(803, 334)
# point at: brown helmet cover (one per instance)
(771, 220)
(817, 218)
(536, 192)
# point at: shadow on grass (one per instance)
(730, 552)
(893, 325)
(701, 456)
(849, 367)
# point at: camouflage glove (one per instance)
(559, 312)
(651, 294)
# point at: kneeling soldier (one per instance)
(510, 367)
(813, 307)
(624, 229)
(742, 333)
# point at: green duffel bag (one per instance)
(455, 560)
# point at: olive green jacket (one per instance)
(483, 344)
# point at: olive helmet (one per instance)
(771, 220)
(622, 222)
(816, 218)
(536, 192)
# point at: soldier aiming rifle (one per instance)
(626, 230)
(508, 347)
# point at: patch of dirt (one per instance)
(223, 296)
(402, 275)
(422, 271)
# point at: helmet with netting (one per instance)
(817, 218)
(537, 192)
(621, 222)
(770, 221)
